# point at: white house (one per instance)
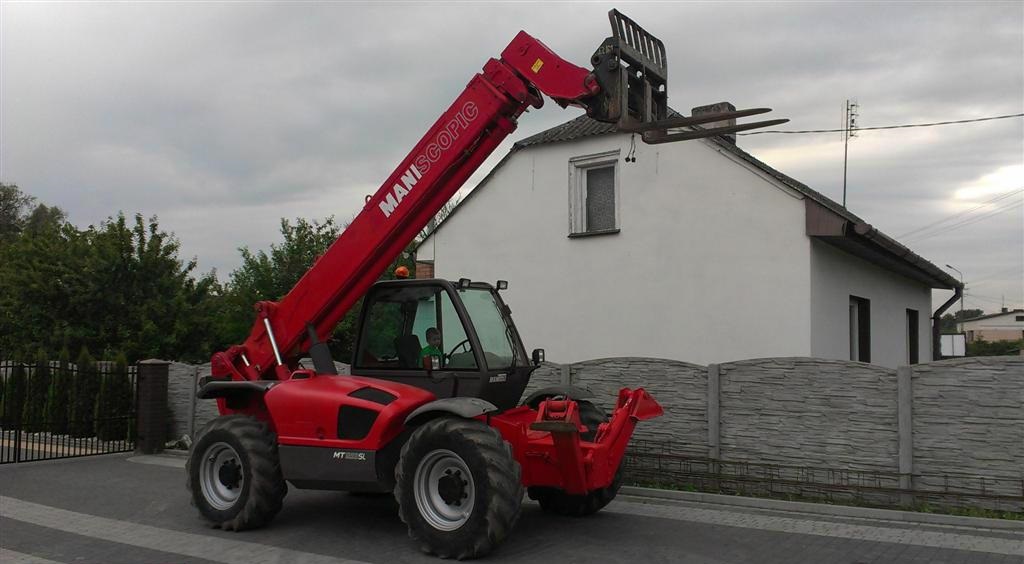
(1004, 326)
(696, 251)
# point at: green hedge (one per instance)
(85, 387)
(34, 413)
(113, 402)
(15, 388)
(59, 395)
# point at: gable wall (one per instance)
(711, 264)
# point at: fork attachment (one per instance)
(632, 70)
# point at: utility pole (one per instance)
(849, 130)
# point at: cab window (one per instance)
(404, 324)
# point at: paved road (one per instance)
(117, 509)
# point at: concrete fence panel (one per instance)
(968, 425)
(680, 388)
(547, 374)
(809, 412)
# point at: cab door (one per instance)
(395, 327)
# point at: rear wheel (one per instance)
(555, 500)
(234, 474)
(458, 488)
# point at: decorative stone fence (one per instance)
(947, 433)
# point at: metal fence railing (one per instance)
(667, 465)
(53, 410)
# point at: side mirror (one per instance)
(538, 357)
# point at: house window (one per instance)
(1020, 318)
(594, 194)
(860, 329)
(912, 337)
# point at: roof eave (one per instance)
(863, 240)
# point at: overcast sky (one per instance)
(221, 118)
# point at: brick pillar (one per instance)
(151, 406)
(424, 269)
(714, 109)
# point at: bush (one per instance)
(14, 392)
(84, 389)
(113, 403)
(59, 394)
(981, 347)
(34, 413)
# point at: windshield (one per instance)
(494, 334)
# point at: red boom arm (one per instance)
(454, 147)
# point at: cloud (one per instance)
(221, 118)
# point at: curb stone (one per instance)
(825, 509)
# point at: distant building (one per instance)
(1003, 326)
(696, 251)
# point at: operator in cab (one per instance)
(433, 347)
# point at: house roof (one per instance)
(991, 315)
(847, 231)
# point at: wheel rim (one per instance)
(221, 476)
(444, 490)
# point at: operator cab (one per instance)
(452, 339)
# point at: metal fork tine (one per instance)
(657, 137)
(674, 122)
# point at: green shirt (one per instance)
(429, 351)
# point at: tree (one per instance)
(40, 270)
(269, 276)
(59, 394)
(83, 396)
(119, 286)
(34, 413)
(950, 320)
(45, 218)
(14, 206)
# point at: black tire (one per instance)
(555, 500)
(242, 452)
(493, 488)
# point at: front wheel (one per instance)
(234, 475)
(458, 488)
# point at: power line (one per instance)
(902, 126)
(962, 213)
(1010, 270)
(968, 221)
(971, 220)
(986, 299)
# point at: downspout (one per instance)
(937, 322)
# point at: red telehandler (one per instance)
(442, 425)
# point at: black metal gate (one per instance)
(54, 410)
